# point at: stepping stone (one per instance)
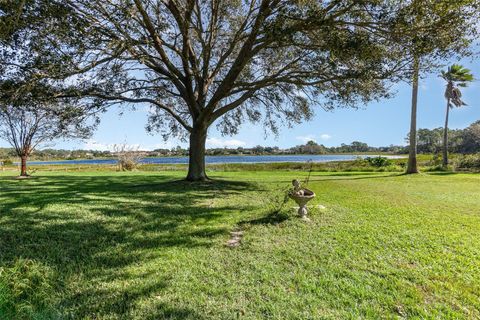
(236, 238)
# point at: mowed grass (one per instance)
(109, 245)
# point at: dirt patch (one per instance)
(235, 239)
(23, 177)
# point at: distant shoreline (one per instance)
(382, 154)
(222, 159)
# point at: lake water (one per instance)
(221, 159)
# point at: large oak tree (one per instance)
(199, 63)
(221, 62)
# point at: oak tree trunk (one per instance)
(445, 137)
(23, 166)
(412, 155)
(196, 163)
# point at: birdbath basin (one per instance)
(301, 196)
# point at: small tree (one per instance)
(30, 115)
(27, 125)
(456, 77)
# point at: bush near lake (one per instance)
(6, 162)
(468, 162)
(379, 161)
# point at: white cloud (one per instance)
(325, 136)
(305, 139)
(221, 143)
(98, 146)
(91, 144)
(211, 143)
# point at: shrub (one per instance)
(7, 162)
(467, 162)
(128, 157)
(378, 161)
(435, 161)
(127, 164)
(436, 168)
(402, 164)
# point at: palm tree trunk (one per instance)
(412, 155)
(445, 136)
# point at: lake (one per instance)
(221, 159)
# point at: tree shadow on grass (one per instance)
(357, 176)
(272, 218)
(44, 191)
(443, 173)
(100, 227)
(338, 176)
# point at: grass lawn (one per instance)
(109, 245)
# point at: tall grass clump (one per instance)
(27, 291)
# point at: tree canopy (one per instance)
(201, 63)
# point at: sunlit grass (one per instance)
(139, 245)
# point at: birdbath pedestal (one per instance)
(301, 196)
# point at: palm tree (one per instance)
(457, 77)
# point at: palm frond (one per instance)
(457, 77)
(456, 93)
(457, 73)
(457, 103)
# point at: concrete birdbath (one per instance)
(301, 196)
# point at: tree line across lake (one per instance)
(463, 141)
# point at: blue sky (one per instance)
(378, 124)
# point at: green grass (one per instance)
(106, 245)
